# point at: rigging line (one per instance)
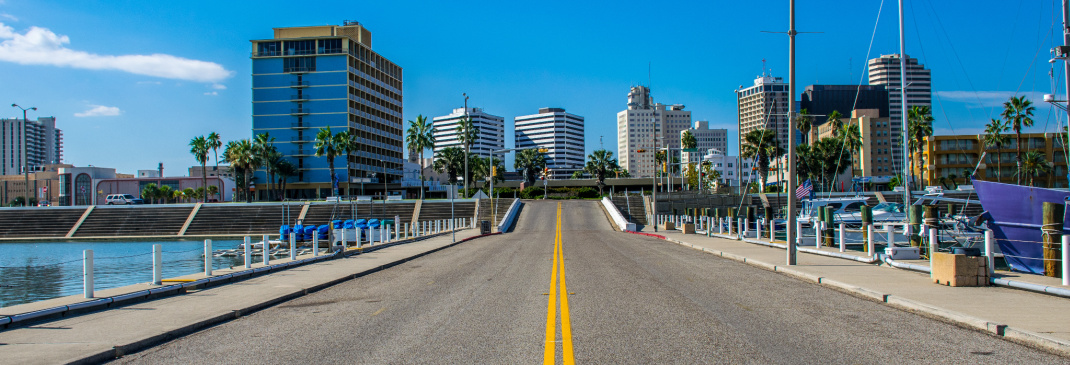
(1030, 69)
(1006, 55)
(869, 52)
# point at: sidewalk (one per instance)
(104, 335)
(1033, 318)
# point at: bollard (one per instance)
(293, 247)
(798, 232)
(757, 230)
(1066, 260)
(406, 231)
(315, 245)
(867, 226)
(869, 241)
(267, 250)
(87, 273)
(891, 235)
(819, 232)
(720, 225)
(828, 226)
(990, 243)
(843, 242)
(248, 253)
(157, 264)
(772, 230)
(207, 257)
(934, 242)
(914, 217)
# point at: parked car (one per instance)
(44, 203)
(122, 199)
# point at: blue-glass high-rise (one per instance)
(309, 78)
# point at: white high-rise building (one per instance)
(560, 133)
(705, 139)
(765, 106)
(647, 126)
(44, 140)
(732, 170)
(491, 131)
(885, 70)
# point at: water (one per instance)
(31, 272)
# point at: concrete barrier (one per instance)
(618, 218)
(510, 216)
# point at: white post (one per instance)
(990, 242)
(798, 232)
(1066, 260)
(248, 252)
(934, 243)
(406, 231)
(207, 257)
(356, 234)
(316, 244)
(819, 228)
(267, 251)
(772, 230)
(87, 272)
(293, 246)
(869, 240)
(758, 230)
(157, 264)
(397, 227)
(843, 242)
(891, 235)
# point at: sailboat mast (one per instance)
(792, 178)
(1066, 63)
(903, 109)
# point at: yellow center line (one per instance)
(551, 315)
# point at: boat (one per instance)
(1014, 213)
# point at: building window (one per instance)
(83, 189)
(330, 46)
(267, 49)
(300, 47)
(299, 64)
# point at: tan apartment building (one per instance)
(874, 160)
(958, 155)
(44, 185)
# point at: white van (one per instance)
(122, 199)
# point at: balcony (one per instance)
(299, 111)
(298, 84)
(298, 98)
(300, 140)
(299, 125)
(303, 152)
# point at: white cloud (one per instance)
(986, 99)
(8, 16)
(148, 82)
(212, 93)
(219, 86)
(100, 111)
(40, 46)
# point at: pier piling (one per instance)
(208, 257)
(267, 249)
(1053, 232)
(249, 252)
(87, 273)
(157, 264)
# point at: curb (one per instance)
(122, 350)
(1028, 338)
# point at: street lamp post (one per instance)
(25, 161)
(466, 141)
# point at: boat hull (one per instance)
(1016, 217)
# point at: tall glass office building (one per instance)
(309, 78)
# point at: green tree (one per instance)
(481, 170)
(994, 137)
(149, 192)
(687, 140)
(851, 138)
(827, 157)
(215, 144)
(804, 122)
(919, 128)
(1018, 111)
(467, 134)
(326, 146)
(346, 144)
(1034, 164)
(268, 155)
(167, 193)
(243, 160)
(836, 122)
(756, 145)
(450, 161)
(189, 194)
(199, 147)
(420, 136)
(213, 190)
(529, 163)
(600, 162)
(285, 171)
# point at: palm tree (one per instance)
(199, 147)
(346, 144)
(803, 122)
(994, 137)
(450, 161)
(481, 170)
(467, 134)
(1034, 164)
(529, 163)
(421, 136)
(285, 170)
(326, 146)
(166, 193)
(149, 192)
(243, 159)
(1018, 111)
(266, 152)
(919, 128)
(189, 193)
(215, 143)
(213, 190)
(851, 137)
(835, 118)
(601, 162)
(687, 140)
(827, 158)
(756, 146)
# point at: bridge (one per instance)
(565, 286)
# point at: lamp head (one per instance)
(34, 108)
(14, 105)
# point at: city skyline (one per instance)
(131, 94)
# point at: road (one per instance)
(633, 299)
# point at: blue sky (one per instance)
(131, 82)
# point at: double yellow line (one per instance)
(551, 314)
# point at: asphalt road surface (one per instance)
(634, 300)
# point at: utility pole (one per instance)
(464, 132)
(792, 178)
(903, 107)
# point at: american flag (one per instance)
(803, 190)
